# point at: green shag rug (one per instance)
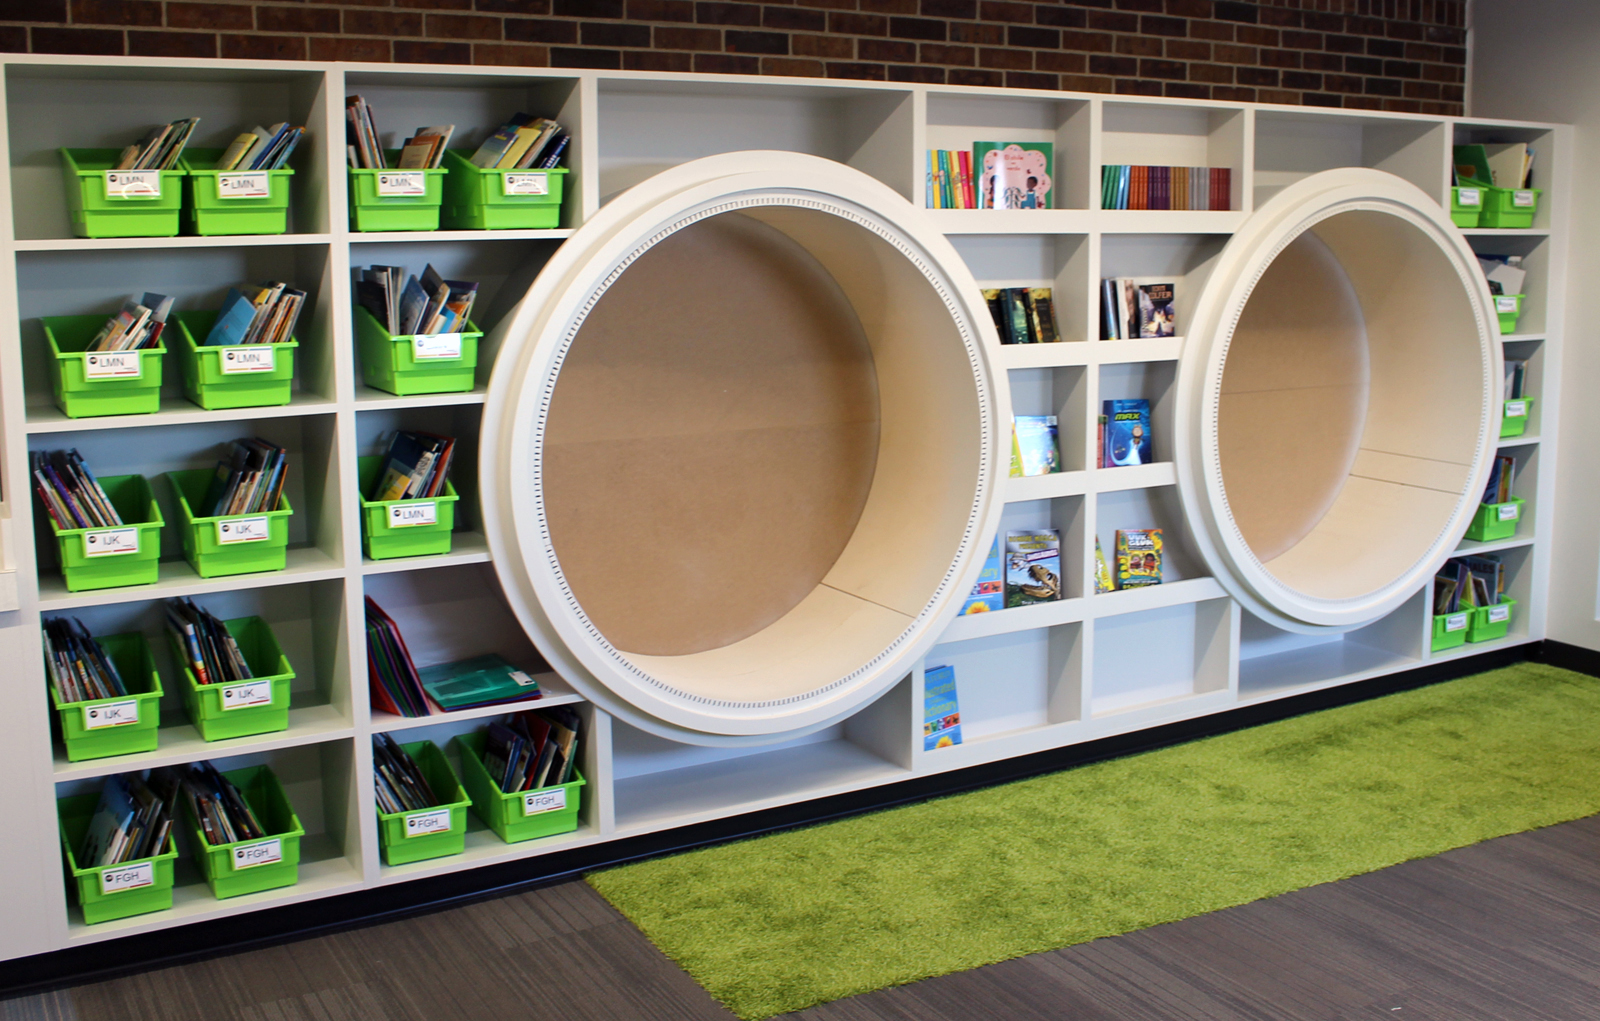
(782, 922)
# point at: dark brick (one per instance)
(533, 7)
(1363, 65)
(1215, 74)
(436, 5)
(382, 23)
(1278, 96)
(1009, 60)
(938, 53)
(921, 74)
(1229, 94)
(1385, 48)
(35, 10)
(1139, 46)
(1012, 13)
(216, 17)
(1227, 54)
(1151, 25)
(862, 72)
(1301, 80)
(1381, 87)
(886, 51)
(120, 12)
(1442, 73)
(1260, 77)
(1113, 66)
(973, 76)
(1229, 10)
(1216, 31)
(1188, 90)
(1344, 44)
(967, 9)
(1320, 99)
(793, 68)
(1133, 87)
(1280, 17)
(1170, 70)
(727, 14)
(1363, 103)
(1190, 8)
(1423, 90)
(466, 26)
(1146, 6)
(888, 6)
(822, 46)
(1424, 52)
(1404, 30)
(172, 44)
(982, 35)
(1086, 83)
(13, 39)
(1036, 38)
(1322, 21)
(1303, 40)
(1402, 69)
(917, 28)
(1453, 93)
(1060, 17)
(844, 23)
(1032, 80)
(1187, 49)
(590, 9)
(688, 38)
(594, 33)
(1063, 63)
(297, 20)
(790, 19)
(726, 63)
(1341, 83)
(1089, 42)
(771, 43)
(564, 56)
(258, 47)
(510, 56)
(660, 10)
(656, 60)
(1255, 36)
(1113, 21)
(344, 48)
(1280, 58)
(529, 30)
(1322, 62)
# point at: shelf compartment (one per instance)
(1062, 391)
(1152, 657)
(1059, 262)
(958, 121)
(1290, 146)
(1067, 516)
(1007, 683)
(1468, 132)
(1178, 136)
(1536, 299)
(553, 691)
(1144, 509)
(1156, 258)
(1275, 663)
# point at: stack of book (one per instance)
(257, 315)
(223, 813)
(137, 325)
(1130, 309)
(524, 142)
(1023, 315)
(1468, 582)
(160, 148)
(78, 667)
(249, 481)
(993, 175)
(533, 749)
(427, 307)
(415, 467)
(1137, 187)
(1501, 477)
(950, 184)
(260, 148)
(132, 819)
(396, 688)
(400, 785)
(71, 495)
(209, 651)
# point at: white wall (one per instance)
(1536, 60)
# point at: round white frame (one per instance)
(1223, 297)
(533, 340)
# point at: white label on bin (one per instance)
(405, 182)
(250, 358)
(1469, 197)
(1509, 511)
(110, 542)
(110, 714)
(1505, 303)
(523, 679)
(525, 184)
(232, 530)
(113, 365)
(408, 515)
(1455, 622)
(436, 345)
(133, 184)
(420, 824)
(1516, 409)
(127, 877)
(538, 802)
(252, 185)
(1522, 198)
(1499, 614)
(262, 852)
(243, 696)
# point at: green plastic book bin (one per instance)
(101, 727)
(244, 376)
(127, 554)
(250, 866)
(228, 544)
(87, 385)
(404, 528)
(1514, 416)
(427, 832)
(1490, 622)
(1508, 308)
(232, 201)
(479, 199)
(395, 199)
(241, 708)
(1494, 521)
(525, 815)
(409, 365)
(1509, 207)
(1450, 629)
(1466, 205)
(108, 892)
(107, 203)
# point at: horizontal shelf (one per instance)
(551, 685)
(1283, 674)
(1470, 648)
(1149, 349)
(1136, 476)
(1519, 441)
(1171, 221)
(465, 548)
(1152, 597)
(47, 418)
(1046, 487)
(1095, 480)
(1014, 619)
(1467, 547)
(177, 578)
(368, 399)
(158, 244)
(1505, 232)
(1095, 352)
(413, 236)
(179, 742)
(484, 848)
(1084, 221)
(1515, 338)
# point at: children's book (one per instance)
(941, 713)
(1155, 310)
(1042, 307)
(1138, 557)
(1033, 567)
(1014, 175)
(989, 593)
(1033, 442)
(1102, 574)
(1127, 432)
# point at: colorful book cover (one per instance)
(1138, 557)
(1033, 443)
(1033, 567)
(1156, 317)
(1127, 439)
(1102, 573)
(1014, 300)
(941, 711)
(1014, 175)
(1043, 305)
(990, 591)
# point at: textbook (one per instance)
(1034, 445)
(1013, 175)
(1138, 557)
(532, 749)
(941, 711)
(989, 593)
(132, 820)
(1127, 432)
(1033, 567)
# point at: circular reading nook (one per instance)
(742, 448)
(1338, 401)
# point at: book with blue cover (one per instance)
(941, 711)
(1033, 445)
(990, 591)
(1127, 437)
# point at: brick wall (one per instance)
(1382, 54)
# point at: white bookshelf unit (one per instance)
(1030, 679)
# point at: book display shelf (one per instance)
(1029, 679)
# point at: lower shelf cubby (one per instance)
(1015, 682)
(1155, 657)
(1275, 663)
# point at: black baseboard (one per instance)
(298, 921)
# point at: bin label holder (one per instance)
(1522, 199)
(525, 184)
(257, 852)
(539, 802)
(435, 345)
(1516, 409)
(409, 182)
(1505, 303)
(1508, 511)
(1469, 196)
(412, 513)
(1499, 614)
(133, 184)
(422, 824)
(254, 184)
(248, 358)
(1455, 622)
(113, 365)
(121, 878)
(110, 714)
(243, 696)
(231, 531)
(110, 542)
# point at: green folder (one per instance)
(481, 680)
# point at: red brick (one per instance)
(1233, 94)
(1320, 99)
(822, 46)
(1363, 26)
(1341, 83)
(1134, 87)
(1442, 73)
(1063, 63)
(659, 10)
(980, 35)
(1169, 70)
(889, 6)
(1280, 58)
(1171, 27)
(599, 33)
(727, 14)
(565, 56)
(657, 60)
(382, 23)
(917, 28)
(531, 7)
(1322, 62)
(1423, 90)
(939, 53)
(688, 38)
(999, 10)
(430, 52)
(1363, 65)
(13, 39)
(1424, 52)
(1113, 21)
(590, 8)
(973, 76)
(1235, 54)
(1032, 80)
(1009, 60)
(921, 74)
(343, 47)
(1303, 40)
(1060, 17)
(118, 12)
(843, 23)
(1187, 49)
(1138, 46)
(1385, 48)
(862, 72)
(1301, 80)
(1035, 38)
(172, 44)
(215, 17)
(1114, 66)
(726, 63)
(790, 19)
(886, 51)
(435, 5)
(1404, 30)
(1344, 44)
(1278, 96)
(1260, 77)
(1146, 6)
(529, 30)
(502, 55)
(1254, 36)
(297, 20)
(1226, 10)
(1215, 74)
(1189, 8)
(1217, 31)
(256, 47)
(771, 43)
(1089, 42)
(1278, 17)
(792, 67)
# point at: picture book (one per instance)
(1033, 567)
(1155, 310)
(1127, 432)
(1501, 475)
(1042, 312)
(1489, 578)
(1102, 573)
(1033, 444)
(1138, 557)
(989, 593)
(941, 712)
(1014, 175)
(1133, 308)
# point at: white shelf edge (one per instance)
(368, 399)
(387, 723)
(1519, 441)
(1022, 488)
(484, 848)
(167, 244)
(426, 236)
(175, 411)
(1518, 338)
(177, 578)
(1138, 476)
(1045, 356)
(1014, 619)
(181, 743)
(1154, 597)
(1469, 548)
(465, 548)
